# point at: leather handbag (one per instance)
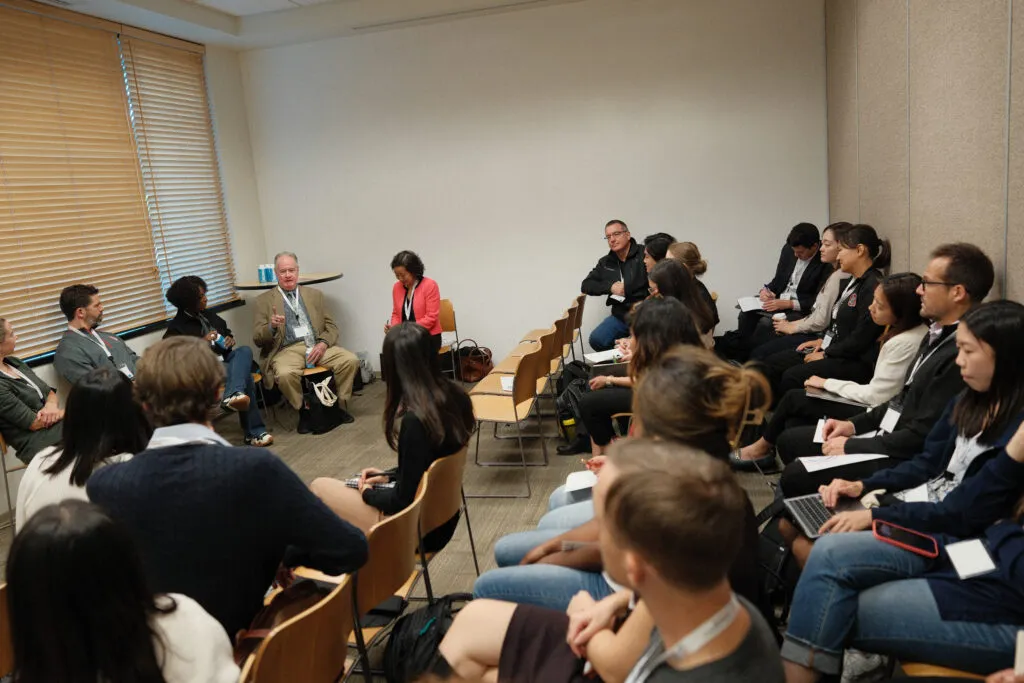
(474, 361)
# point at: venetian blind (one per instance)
(71, 202)
(173, 131)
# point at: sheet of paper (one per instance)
(609, 356)
(970, 558)
(506, 382)
(817, 463)
(578, 481)
(750, 303)
(819, 432)
(1018, 659)
(616, 297)
(918, 494)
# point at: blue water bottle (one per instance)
(262, 273)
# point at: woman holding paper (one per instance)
(897, 307)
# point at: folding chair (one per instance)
(512, 409)
(6, 648)
(309, 647)
(577, 330)
(8, 470)
(447, 320)
(917, 670)
(529, 343)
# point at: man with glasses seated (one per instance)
(621, 276)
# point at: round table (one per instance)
(304, 279)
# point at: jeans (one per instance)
(566, 517)
(602, 337)
(857, 591)
(239, 379)
(560, 497)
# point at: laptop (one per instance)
(810, 513)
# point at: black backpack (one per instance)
(413, 648)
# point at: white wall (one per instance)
(497, 147)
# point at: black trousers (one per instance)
(797, 481)
(787, 370)
(797, 409)
(787, 342)
(597, 408)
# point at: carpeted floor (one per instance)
(347, 449)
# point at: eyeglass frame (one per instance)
(617, 233)
(925, 284)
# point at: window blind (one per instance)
(71, 201)
(173, 132)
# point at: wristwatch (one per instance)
(608, 382)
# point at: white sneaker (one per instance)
(262, 441)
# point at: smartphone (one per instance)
(353, 483)
(908, 539)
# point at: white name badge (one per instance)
(300, 330)
(826, 342)
(892, 416)
(126, 372)
(970, 558)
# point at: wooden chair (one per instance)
(512, 409)
(8, 470)
(577, 330)
(916, 670)
(311, 646)
(530, 341)
(6, 647)
(447, 320)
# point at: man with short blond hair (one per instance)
(293, 331)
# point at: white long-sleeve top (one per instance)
(821, 314)
(894, 359)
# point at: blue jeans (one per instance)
(604, 335)
(239, 379)
(857, 591)
(560, 497)
(567, 516)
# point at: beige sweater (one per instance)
(821, 314)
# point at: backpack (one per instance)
(413, 648)
(568, 406)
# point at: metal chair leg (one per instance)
(10, 507)
(522, 463)
(364, 655)
(469, 529)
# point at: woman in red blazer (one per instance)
(414, 297)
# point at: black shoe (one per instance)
(575, 447)
(346, 417)
(303, 427)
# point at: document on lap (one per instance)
(750, 303)
(817, 463)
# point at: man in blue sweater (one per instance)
(211, 520)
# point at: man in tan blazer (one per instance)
(292, 330)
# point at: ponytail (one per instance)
(879, 250)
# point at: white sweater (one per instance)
(192, 646)
(38, 489)
(894, 360)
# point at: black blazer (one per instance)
(811, 282)
(935, 384)
(185, 325)
(855, 333)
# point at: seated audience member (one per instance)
(188, 295)
(688, 255)
(81, 610)
(656, 248)
(622, 277)
(671, 525)
(958, 277)
(437, 420)
(690, 397)
(799, 276)
(294, 331)
(83, 347)
(848, 349)
(424, 310)
(897, 308)
(210, 520)
(30, 419)
(103, 425)
(789, 334)
(658, 326)
(669, 279)
(856, 591)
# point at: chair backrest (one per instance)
(392, 544)
(6, 647)
(563, 335)
(447, 316)
(531, 367)
(442, 491)
(3, 447)
(582, 301)
(310, 646)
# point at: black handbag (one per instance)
(320, 396)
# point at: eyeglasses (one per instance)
(936, 283)
(617, 233)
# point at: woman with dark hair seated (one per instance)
(656, 248)
(30, 419)
(425, 309)
(80, 609)
(102, 424)
(670, 279)
(188, 295)
(436, 421)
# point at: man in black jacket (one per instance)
(620, 275)
(799, 275)
(958, 278)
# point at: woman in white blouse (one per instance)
(102, 424)
(897, 306)
(80, 609)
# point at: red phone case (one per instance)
(917, 551)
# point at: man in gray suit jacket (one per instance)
(83, 347)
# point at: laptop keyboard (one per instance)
(812, 510)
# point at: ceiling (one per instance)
(244, 8)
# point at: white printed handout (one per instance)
(817, 463)
(750, 303)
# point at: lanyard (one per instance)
(30, 382)
(296, 307)
(843, 297)
(408, 300)
(96, 338)
(696, 641)
(924, 359)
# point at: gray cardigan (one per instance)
(77, 354)
(19, 404)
